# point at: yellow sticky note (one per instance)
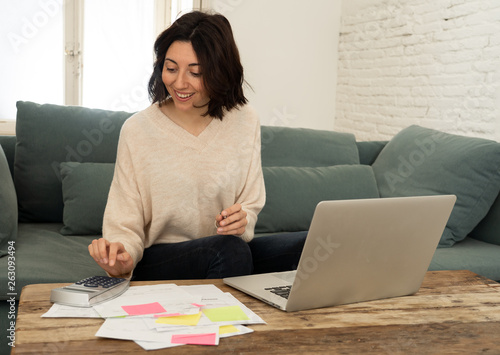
(225, 314)
(228, 329)
(190, 319)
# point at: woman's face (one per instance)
(183, 78)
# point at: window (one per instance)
(81, 52)
(117, 53)
(31, 46)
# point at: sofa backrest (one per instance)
(300, 147)
(271, 150)
(48, 135)
(369, 150)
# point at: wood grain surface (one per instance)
(454, 312)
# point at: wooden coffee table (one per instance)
(454, 312)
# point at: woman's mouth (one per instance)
(183, 96)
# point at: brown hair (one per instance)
(212, 39)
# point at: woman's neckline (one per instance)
(189, 125)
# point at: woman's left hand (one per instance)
(231, 221)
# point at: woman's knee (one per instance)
(234, 246)
(277, 253)
(234, 257)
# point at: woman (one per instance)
(188, 182)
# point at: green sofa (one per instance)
(56, 173)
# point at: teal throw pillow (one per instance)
(48, 135)
(8, 206)
(292, 193)
(85, 188)
(285, 146)
(420, 161)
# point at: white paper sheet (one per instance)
(133, 328)
(151, 345)
(147, 332)
(62, 311)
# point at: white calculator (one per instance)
(90, 291)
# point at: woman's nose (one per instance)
(181, 80)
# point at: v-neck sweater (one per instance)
(169, 185)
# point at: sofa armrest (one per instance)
(8, 143)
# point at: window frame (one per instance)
(73, 51)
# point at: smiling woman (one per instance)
(182, 78)
(210, 55)
(188, 181)
(184, 82)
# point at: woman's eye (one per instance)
(170, 70)
(196, 75)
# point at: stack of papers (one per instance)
(167, 315)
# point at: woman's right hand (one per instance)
(112, 257)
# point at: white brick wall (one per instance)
(435, 63)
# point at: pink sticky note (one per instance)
(197, 339)
(197, 305)
(141, 309)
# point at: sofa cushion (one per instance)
(292, 193)
(43, 255)
(284, 146)
(48, 135)
(8, 206)
(85, 189)
(422, 161)
(470, 254)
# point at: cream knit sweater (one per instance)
(169, 185)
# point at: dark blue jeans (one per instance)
(220, 256)
(280, 252)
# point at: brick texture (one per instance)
(435, 63)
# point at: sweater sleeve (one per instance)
(124, 214)
(253, 195)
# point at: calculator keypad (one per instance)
(102, 281)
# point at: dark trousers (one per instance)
(220, 256)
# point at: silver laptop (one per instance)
(357, 250)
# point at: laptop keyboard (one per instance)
(283, 291)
